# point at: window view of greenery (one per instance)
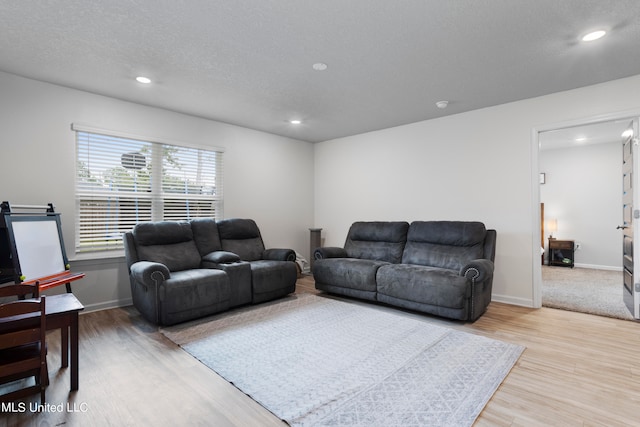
(120, 182)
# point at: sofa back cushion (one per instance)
(206, 236)
(242, 237)
(167, 242)
(444, 244)
(377, 240)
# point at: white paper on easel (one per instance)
(39, 248)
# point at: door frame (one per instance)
(535, 185)
(632, 302)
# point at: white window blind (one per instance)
(121, 181)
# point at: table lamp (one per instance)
(552, 226)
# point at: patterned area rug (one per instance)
(584, 290)
(316, 361)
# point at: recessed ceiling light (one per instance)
(442, 104)
(580, 139)
(594, 35)
(319, 66)
(144, 80)
(295, 122)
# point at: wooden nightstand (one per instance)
(561, 252)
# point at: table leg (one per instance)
(74, 351)
(64, 346)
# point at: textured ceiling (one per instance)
(250, 62)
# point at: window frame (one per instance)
(155, 195)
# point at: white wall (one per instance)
(583, 192)
(472, 166)
(266, 177)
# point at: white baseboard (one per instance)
(107, 305)
(523, 302)
(598, 267)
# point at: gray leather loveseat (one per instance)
(180, 271)
(443, 268)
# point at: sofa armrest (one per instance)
(276, 254)
(221, 257)
(148, 273)
(478, 270)
(329, 252)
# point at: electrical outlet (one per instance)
(578, 246)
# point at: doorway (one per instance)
(580, 184)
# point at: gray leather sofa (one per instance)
(443, 268)
(180, 271)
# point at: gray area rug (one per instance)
(316, 361)
(584, 290)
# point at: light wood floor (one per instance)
(577, 370)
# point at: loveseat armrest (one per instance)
(329, 252)
(276, 254)
(148, 273)
(221, 257)
(478, 270)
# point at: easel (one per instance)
(31, 247)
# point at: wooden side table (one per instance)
(561, 252)
(62, 313)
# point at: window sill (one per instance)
(107, 257)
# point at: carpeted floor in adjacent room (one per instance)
(584, 290)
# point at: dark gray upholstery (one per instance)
(207, 238)
(167, 284)
(272, 279)
(381, 241)
(273, 271)
(180, 270)
(352, 271)
(242, 237)
(239, 273)
(349, 276)
(444, 268)
(444, 244)
(194, 293)
(160, 241)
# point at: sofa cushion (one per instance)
(426, 285)
(242, 237)
(272, 279)
(194, 293)
(377, 240)
(205, 234)
(444, 244)
(162, 233)
(167, 242)
(177, 257)
(350, 273)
